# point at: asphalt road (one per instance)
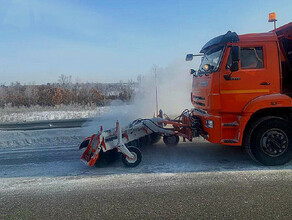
(192, 181)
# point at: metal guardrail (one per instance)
(46, 124)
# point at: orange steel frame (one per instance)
(182, 127)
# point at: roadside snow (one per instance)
(40, 138)
(27, 114)
(66, 136)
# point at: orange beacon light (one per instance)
(272, 18)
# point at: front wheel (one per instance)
(136, 160)
(270, 141)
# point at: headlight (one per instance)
(206, 67)
(209, 123)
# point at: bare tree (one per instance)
(65, 92)
(65, 80)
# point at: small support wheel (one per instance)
(135, 161)
(171, 140)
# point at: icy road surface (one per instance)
(191, 181)
(55, 161)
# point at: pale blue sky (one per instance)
(112, 40)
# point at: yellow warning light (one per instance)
(272, 17)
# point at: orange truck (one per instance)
(242, 96)
(242, 93)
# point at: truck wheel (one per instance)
(171, 140)
(270, 141)
(137, 157)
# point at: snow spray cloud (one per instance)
(174, 87)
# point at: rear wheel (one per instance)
(270, 141)
(171, 140)
(135, 161)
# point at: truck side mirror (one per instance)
(235, 55)
(189, 57)
(234, 67)
(235, 50)
(192, 71)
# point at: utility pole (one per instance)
(154, 70)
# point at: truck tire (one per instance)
(269, 141)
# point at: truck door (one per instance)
(254, 77)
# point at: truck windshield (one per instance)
(213, 58)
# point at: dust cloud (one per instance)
(174, 88)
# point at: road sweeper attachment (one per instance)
(126, 140)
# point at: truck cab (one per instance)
(242, 93)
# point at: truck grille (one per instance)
(199, 103)
(198, 97)
(198, 100)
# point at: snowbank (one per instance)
(27, 114)
(40, 138)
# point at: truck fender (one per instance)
(268, 101)
(262, 102)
